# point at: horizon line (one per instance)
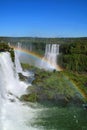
(42, 37)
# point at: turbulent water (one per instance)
(14, 115)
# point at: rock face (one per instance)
(5, 48)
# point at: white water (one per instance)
(49, 60)
(17, 61)
(9, 44)
(14, 115)
(24, 46)
(18, 64)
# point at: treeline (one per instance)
(37, 40)
(73, 57)
(73, 51)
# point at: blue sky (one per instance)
(43, 18)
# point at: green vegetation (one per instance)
(56, 87)
(73, 51)
(38, 44)
(79, 79)
(4, 47)
(73, 57)
(28, 67)
(41, 41)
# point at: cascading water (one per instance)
(17, 61)
(9, 44)
(18, 64)
(49, 60)
(25, 46)
(7, 72)
(13, 114)
(19, 45)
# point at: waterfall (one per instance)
(8, 76)
(49, 60)
(25, 46)
(13, 114)
(17, 63)
(9, 44)
(51, 53)
(19, 45)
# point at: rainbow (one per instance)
(77, 88)
(37, 56)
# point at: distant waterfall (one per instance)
(17, 62)
(49, 60)
(9, 44)
(27, 46)
(51, 53)
(19, 45)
